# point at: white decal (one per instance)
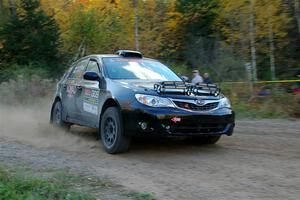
(95, 94)
(90, 108)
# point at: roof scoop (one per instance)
(129, 54)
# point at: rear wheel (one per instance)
(111, 131)
(57, 116)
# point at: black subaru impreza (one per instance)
(125, 95)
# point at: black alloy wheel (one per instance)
(112, 133)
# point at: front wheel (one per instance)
(111, 131)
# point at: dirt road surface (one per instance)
(261, 160)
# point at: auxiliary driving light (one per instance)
(143, 125)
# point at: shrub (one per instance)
(277, 104)
(27, 71)
(25, 90)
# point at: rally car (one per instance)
(125, 95)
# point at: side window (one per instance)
(93, 67)
(68, 73)
(79, 70)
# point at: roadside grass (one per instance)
(13, 186)
(278, 103)
(141, 196)
(48, 184)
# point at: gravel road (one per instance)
(261, 160)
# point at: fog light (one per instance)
(143, 125)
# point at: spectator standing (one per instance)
(207, 78)
(197, 78)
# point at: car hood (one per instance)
(147, 87)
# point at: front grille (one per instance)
(194, 107)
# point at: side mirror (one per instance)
(184, 78)
(91, 76)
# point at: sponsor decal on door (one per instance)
(90, 101)
(90, 108)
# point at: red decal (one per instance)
(176, 119)
(87, 91)
(70, 90)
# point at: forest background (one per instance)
(234, 40)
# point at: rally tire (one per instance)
(112, 132)
(57, 113)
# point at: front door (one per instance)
(89, 100)
(74, 89)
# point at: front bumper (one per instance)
(174, 121)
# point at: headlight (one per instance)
(225, 103)
(154, 101)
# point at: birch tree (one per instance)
(136, 25)
(272, 20)
(252, 39)
(237, 22)
(271, 43)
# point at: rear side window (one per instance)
(67, 73)
(79, 70)
(93, 67)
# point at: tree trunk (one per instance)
(271, 44)
(243, 49)
(12, 8)
(232, 28)
(252, 41)
(136, 25)
(297, 14)
(1, 4)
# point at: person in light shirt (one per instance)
(197, 78)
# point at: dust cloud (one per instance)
(30, 124)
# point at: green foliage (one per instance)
(180, 68)
(28, 71)
(43, 184)
(248, 104)
(210, 35)
(198, 16)
(141, 196)
(31, 36)
(17, 187)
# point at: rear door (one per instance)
(74, 89)
(89, 100)
(65, 93)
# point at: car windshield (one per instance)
(144, 69)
